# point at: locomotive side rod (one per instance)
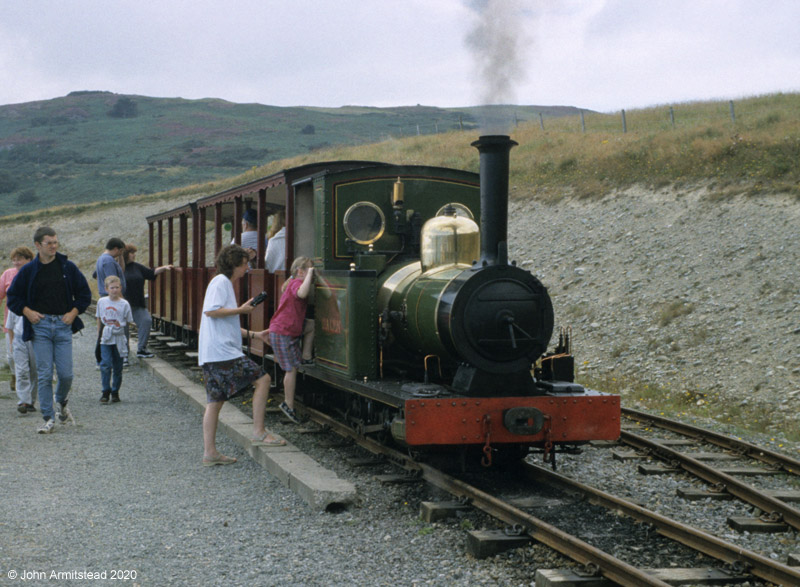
(566, 544)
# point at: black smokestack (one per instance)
(494, 151)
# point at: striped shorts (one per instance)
(286, 350)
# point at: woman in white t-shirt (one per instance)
(226, 370)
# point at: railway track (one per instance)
(722, 471)
(741, 447)
(740, 562)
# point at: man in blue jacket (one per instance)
(50, 292)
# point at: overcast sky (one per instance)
(598, 54)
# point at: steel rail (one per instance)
(707, 473)
(787, 463)
(763, 567)
(568, 545)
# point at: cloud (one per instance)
(599, 54)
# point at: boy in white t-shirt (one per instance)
(24, 365)
(113, 314)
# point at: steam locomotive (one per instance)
(425, 334)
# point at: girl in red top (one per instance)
(286, 328)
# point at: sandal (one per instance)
(264, 441)
(218, 460)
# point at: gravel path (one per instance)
(124, 490)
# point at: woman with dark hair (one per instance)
(227, 372)
(135, 276)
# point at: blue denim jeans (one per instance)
(144, 322)
(111, 362)
(52, 346)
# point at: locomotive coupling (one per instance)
(523, 421)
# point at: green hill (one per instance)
(97, 146)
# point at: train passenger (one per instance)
(275, 258)
(135, 276)
(50, 292)
(226, 370)
(286, 328)
(250, 233)
(24, 365)
(113, 315)
(108, 264)
(19, 257)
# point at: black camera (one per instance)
(258, 299)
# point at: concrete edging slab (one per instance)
(319, 487)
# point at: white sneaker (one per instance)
(47, 427)
(63, 413)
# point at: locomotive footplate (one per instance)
(562, 418)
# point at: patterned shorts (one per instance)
(287, 350)
(227, 379)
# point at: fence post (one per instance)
(672, 117)
(624, 124)
(583, 123)
(541, 120)
(417, 130)
(733, 114)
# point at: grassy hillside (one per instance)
(758, 152)
(95, 146)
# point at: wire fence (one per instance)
(748, 113)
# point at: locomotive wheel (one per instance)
(353, 416)
(385, 436)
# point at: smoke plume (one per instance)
(496, 45)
